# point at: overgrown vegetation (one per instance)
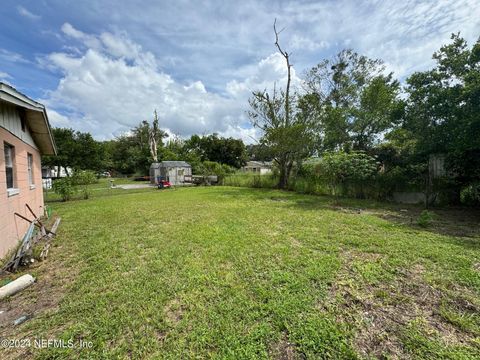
(68, 186)
(347, 105)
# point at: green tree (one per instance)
(442, 110)
(353, 99)
(76, 150)
(228, 151)
(130, 153)
(259, 152)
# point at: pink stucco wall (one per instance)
(12, 228)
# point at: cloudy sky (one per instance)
(102, 66)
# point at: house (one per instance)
(49, 173)
(176, 172)
(258, 167)
(25, 135)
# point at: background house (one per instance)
(258, 167)
(176, 172)
(49, 173)
(25, 135)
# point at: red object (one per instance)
(163, 184)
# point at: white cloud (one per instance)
(302, 43)
(4, 75)
(113, 84)
(28, 14)
(12, 57)
(88, 40)
(262, 76)
(198, 64)
(58, 120)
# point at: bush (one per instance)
(208, 168)
(65, 188)
(470, 195)
(347, 173)
(83, 178)
(425, 219)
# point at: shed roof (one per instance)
(266, 164)
(36, 117)
(172, 164)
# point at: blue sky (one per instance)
(103, 66)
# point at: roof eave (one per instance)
(41, 130)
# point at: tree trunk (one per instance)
(283, 180)
(285, 167)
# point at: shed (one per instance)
(176, 172)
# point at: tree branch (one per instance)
(287, 60)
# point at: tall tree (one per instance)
(353, 99)
(287, 132)
(132, 153)
(443, 107)
(153, 134)
(76, 150)
(228, 151)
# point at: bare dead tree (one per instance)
(288, 133)
(286, 56)
(153, 139)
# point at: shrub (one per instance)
(83, 178)
(346, 172)
(425, 219)
(208, 168)
(470, 195)
(65, 188)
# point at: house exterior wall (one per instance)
(12, 228)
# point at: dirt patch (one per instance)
(381, 312)
(348, 210)
(54, 277)
(458, 222)
(173, 312)
(284, 350)
(52, 281)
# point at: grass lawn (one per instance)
(237, 273)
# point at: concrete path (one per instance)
(134, 186)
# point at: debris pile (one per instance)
(37, 233)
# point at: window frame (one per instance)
(31, 178)
(10, 165)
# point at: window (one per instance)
(9, 151)
(30, 169)
(180, 172)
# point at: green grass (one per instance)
(236, 273)
(99, 189)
